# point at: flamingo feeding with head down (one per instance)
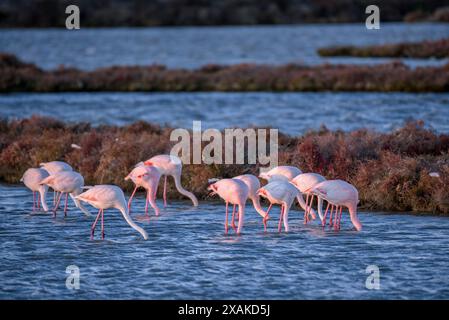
(32, 179)
(148, 178)
(53, 167)
(105, 197)
(68, 182)
(283, 193)
(253, 184)
(170, 165)
(232, 191)
(304, 182)
(340, 194)
(281, 172)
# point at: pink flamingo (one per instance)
(53, 167)
(338, 193)
(170, 165)
(148, 178)
(232, 191)
(105, 197)
(281, 172)
(304, 182)
(283, 193)
(68, 182)
(32, 178)
(253, 184)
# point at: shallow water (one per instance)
(292, 113)
(191, 47)
(188, 256)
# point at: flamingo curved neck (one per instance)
(132, 224)
(183, 191)
(258, 207)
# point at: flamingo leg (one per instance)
(309, 208)
(146, 204)
(330, 217)
(265, 219)
(165, 191)
(336, 217)
(131, 198)
(65, 205)
(323, 223)
(305, 211)
(54, 197)
(34, 201)
(38, 200)
(339, 218)
(57, 204)
(280, 218)
(92, 229)
(152, 200)
(233, 218)
(102, 224)
(226, 219)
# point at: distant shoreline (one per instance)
(18, 76)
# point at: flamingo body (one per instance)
(304, 182)
(32, 179)
(233, 191)
(283, 193)
(148, 178)
(281, 173)
(56, 166)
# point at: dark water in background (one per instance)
(188, 256)
(191, 47)
(291, 113)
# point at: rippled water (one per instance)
(190, 47)
(291, 113)
(188, 256)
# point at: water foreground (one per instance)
(188, 257)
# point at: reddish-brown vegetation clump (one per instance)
(18, 76)
(423, 49)
(390, 170)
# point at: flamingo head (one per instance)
(261, 192)
(213, 188)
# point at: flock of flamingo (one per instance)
(285, 184)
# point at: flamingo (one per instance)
(340, 194)
(53, 167)
(32, 178)
(68, 182)
(304, 182)
(233, 191)
(147, 177)
(281, 172)
(253, 184)
(170, 165)
(105, 197)
(283, 193)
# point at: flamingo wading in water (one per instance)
(170, 165)
(32, 179)
(105, 197)
(232, 191)
(283, 193)
(68, 182)
(253, 184)
(338, 193)
(304, 182)
(148, 178)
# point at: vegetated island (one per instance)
(438, 49)
(403, 170)
(18, 76)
